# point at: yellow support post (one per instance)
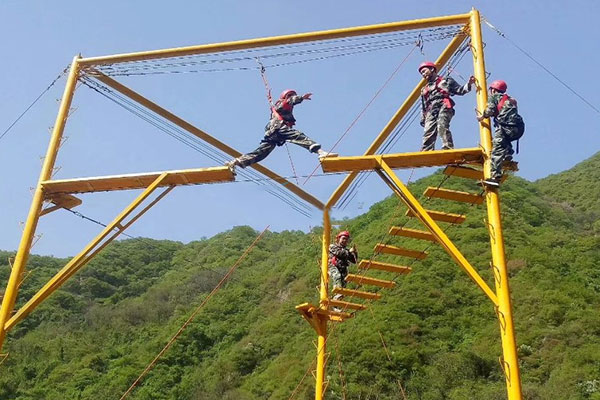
(322, 322)
(88, 252)
(12, 288)
(510, 361)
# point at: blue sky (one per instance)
(41, 38)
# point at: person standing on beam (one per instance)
(280, 130)
(437, 108)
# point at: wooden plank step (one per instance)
(398, 269)
(365, 280)
(356, 293)
(454, 195)
(411, 233)
(61, 200)
(466, 172)
(442, 216)
(400, 251)
(345, 305)
(308, 310)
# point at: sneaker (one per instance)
(337, 309)
(324, 154)
(492, 182)
(232, 164)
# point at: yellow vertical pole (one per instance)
(22, 256)
(510, 362)
(322, 322)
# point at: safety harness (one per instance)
(444, 93)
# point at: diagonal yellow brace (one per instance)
(388, 175)
(399, 115)
(85, 255)
(204, 136)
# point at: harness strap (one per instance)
(444, 92)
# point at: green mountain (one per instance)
(434, 336)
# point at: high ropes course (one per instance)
(100, 73)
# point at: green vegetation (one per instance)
(93, 337)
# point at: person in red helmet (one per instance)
(340, 258)
(437, 108)
(508, 127)
(280, 130)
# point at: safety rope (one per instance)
(360, 114)
(263, 74)
(191, 318)
(35, 101)
(528, 55)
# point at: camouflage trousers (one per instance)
(337, 278)
(438, 122)
(501, 148)
(278, 138)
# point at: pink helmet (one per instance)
(427, 64)
(287, 93)
(499, 86)
(343, 233)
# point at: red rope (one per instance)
(189, 320)
(364, 109)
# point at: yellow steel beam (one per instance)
(510, 362)
(138, 181)
(279, 40)
(388, 176)
(205, 136)
(12, 288)
(397, 117)
(323, 297)
(84, 256)
(403, 160)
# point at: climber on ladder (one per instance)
(437, 108)
(280, 130)
(340, 258)
(508, 127)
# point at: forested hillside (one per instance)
(93, 337)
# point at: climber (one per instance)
(280, 130)
(437, 108)
(508, 127)
(340, 258)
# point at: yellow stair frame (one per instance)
(472, 163)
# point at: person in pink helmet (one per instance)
(340, 258)
(508, 127)
(280, 130)
(437, 108)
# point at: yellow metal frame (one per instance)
(383, 164)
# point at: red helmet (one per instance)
(342, 233)
(499, 86)
(287, 93)
(427, 64)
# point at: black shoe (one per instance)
(492, 182)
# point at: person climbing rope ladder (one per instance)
(280, 130)
(340, 258)
(509, 126)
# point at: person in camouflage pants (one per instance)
(508, 127)
(280, 130)
(340, 258)
(437, 108)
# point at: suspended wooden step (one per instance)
(356, 293)
(454, 195)
(411, 233)
(61, 200)
(400, 251)
(442, 216)
(310, 311)
(365, 280)
(345, 305)
(469, 173)
(398, 269)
